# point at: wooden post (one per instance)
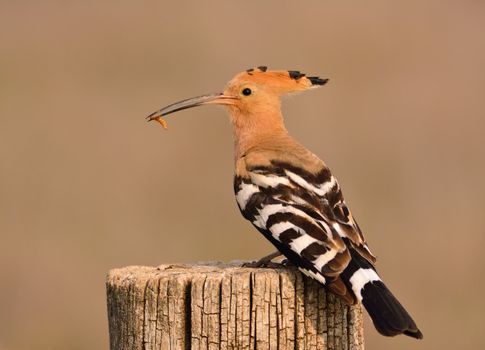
(226, 306)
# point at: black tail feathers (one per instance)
(389, 316)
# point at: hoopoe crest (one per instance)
(291, 197)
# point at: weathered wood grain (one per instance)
(208, 306)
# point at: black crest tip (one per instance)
(263, 68)
(294, 74)
(317, 81)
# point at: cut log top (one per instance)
(225, 306)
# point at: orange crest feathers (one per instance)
(280, 81)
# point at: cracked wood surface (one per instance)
(225, 306)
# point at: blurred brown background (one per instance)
(87, 185)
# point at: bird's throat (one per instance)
(252, 131)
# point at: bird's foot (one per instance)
(265, 261)
(286, 262)
(260, 264)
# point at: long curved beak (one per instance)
(218, 98)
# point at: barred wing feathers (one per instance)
(305, 216)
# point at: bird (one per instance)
(292, 198)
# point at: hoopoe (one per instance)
(292, 198)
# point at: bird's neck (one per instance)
(254, 130)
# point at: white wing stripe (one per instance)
(268, 210)
(300, 243)
(339, 230)
(276, 229)
(323, 259)
(327, 186)
(268, 180)
(360, 278)
(319, 190)
(313, 275)
(245, 192)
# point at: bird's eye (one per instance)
(246, 92)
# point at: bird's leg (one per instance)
(264, 261)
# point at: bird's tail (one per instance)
(389, 316)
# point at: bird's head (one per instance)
(250, 94)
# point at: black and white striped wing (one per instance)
(305, 217)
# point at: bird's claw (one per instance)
(266, 261)
(261, 264)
